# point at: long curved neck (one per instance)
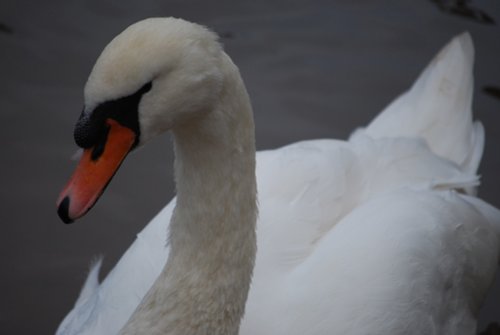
(204, 285)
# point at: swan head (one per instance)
(157, 74)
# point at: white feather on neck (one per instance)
(204, 285)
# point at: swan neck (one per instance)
(204, 285)
(215, 166)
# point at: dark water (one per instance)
(313, 69)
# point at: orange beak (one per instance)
(93, 174)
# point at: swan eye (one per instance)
(91, 126)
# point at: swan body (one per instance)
(380, 234)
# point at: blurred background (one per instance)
(313, 69)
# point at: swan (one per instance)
(379, 234)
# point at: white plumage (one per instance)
(380, 234)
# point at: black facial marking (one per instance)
(100, 144)
(91, 127)
(87, 130)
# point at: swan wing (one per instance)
(438, 106)
(410, 261)
(104, 309)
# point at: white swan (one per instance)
(380, 234)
